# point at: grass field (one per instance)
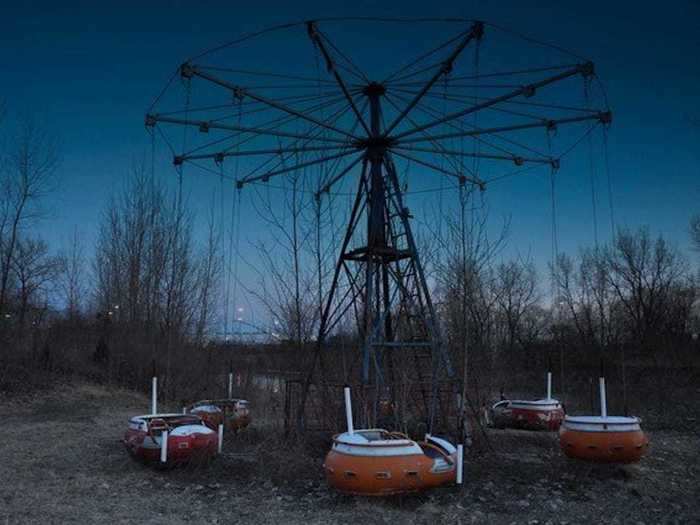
(61, 461)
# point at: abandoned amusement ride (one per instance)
(369, 130)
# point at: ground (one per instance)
(61, 460)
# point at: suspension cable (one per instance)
(591, 167)
(606, 164)
(234, 234)
(555, 265)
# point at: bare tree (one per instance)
(27, 175)
(34, 269)
(208, 275)
(695, 231)
(152, 281)
(643, 274)
(287, 275)
(72, 276)
(515, 293)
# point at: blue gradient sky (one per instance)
(90, 70)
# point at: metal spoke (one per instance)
(327, 187)
(515, 158)
(433, 142)
(316, 132)
(266, 176)
(316, 39)
(458, 176)
(204, 124)
(358, 72)
(604, 117)
(459, 126)
(239, 91)
(528, 90)
(277, 151)
(475, 33)
(392, 78)
(264, 74)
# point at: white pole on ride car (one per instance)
(348, 410)
(549, 385)
(603, 403)
(154, 395)
(230, 385)
(460, 463)
(601, 383)
(221, 438)
(164, 446)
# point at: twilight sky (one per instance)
(88, 71)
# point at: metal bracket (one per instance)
(529, 91)
(186, 70)
(587, 69)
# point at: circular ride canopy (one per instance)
(457, 99)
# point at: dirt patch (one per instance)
(61, 460)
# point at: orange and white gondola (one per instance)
(233, 413)
(603, 439)
(540, 414)
(375, 462)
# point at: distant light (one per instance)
(116, 307)
(239, 319)
(110, 312)
(240, 308)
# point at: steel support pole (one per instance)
(376, 230)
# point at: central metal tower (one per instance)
(382, 271)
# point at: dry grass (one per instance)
(61, 461)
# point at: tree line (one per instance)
(151, 290)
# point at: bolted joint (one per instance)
(462, 180)
(529, 91)
(311, 29)
(605, 117)
(478, 29)
(186, 70)
(482, 185)
(219, 158)
(239, 184)
(178, 160)
(150, 120)
(518, 161)
(551, 126)
(374, 89)
(238, 93)
(555, 163)
(587, 69)
(265, 178)
(204, 127)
